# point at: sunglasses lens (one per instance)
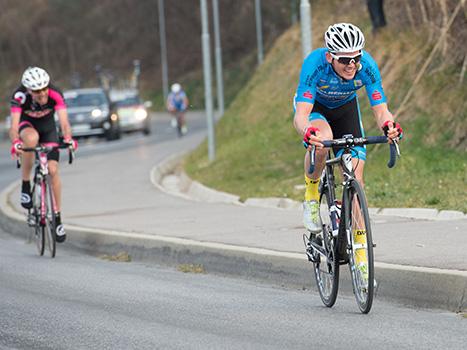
(39, 91)
(348, 60)
(344, 60)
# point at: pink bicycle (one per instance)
(41, 217)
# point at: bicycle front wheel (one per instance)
(179, 127)
(39, 235)
(358, 230)
(34, 220)
(327, 268)
(50, 218)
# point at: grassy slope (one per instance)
(259, 152)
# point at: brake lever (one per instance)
(396, 145)
(312, 159)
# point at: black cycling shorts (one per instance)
(343, 120)
(46, 130)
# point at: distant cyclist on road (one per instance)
(326, 105)
(177, 104)
(33, 106)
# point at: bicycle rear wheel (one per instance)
(358, 230)
(327, 268)
(50, 218)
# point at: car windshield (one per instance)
(129, 101)
(80, 100)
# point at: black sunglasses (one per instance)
(346, 60)
(39, 91)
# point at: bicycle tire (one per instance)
(38, 229)
(179, 128)
(50, 218)
(357, 219)
(327, 272)
(39, 236)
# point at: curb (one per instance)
(169, 177)
(413, 286)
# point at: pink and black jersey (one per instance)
(39, 117)
(22, 102)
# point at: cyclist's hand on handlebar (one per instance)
(16, 146)
(311, 137)
(72, 142)
(392, 130)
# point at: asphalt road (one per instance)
(77, 301)
(81, 302)
(91, 146)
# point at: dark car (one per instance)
(132, 112)
(91, 112)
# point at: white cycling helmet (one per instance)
(344, 37)
(176, 88)
(35, 78)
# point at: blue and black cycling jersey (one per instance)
(319, 82)
(177, 100)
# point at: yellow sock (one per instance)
(311, 192)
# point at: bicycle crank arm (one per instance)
(317, 249)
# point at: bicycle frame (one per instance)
(328, 180)
(345, 162)
(41, 171)
(338, 243)
(44, 201)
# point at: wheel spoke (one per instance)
(361, 259)
(50, 219)
(327, 268)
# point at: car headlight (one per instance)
(96, 113)
(141, 114)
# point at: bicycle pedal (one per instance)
(374, 245)
(309, 250)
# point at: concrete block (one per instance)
(171, 183)
(451, 215)
(416, 213)
(203, 193)
(271, 202)
(288, 203)
(184, 181)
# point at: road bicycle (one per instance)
(178, 122)
(346, 232)
(41, 217)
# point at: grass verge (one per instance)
(259, 154)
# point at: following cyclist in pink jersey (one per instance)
(326, 105)
(33, 106)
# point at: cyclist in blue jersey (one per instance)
(177, 104)
(326, 105)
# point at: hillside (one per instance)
(260, 154)
(72, 38)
